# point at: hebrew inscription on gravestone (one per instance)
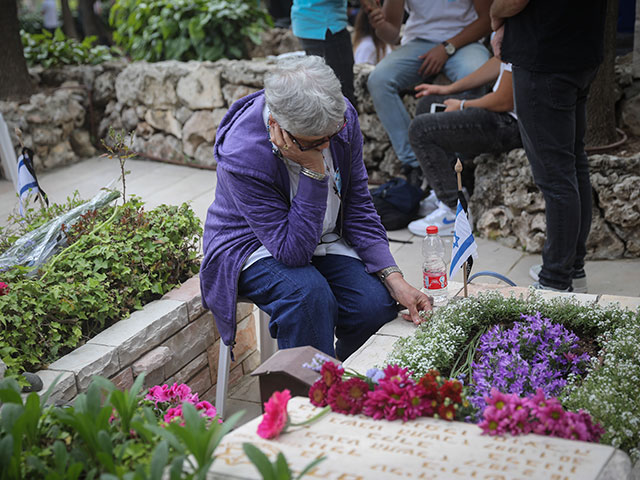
(359, 448)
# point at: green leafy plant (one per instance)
(50, 50)
(31, 22)
(187, 29)
(118, 259)
(279, 469)
(107, 433)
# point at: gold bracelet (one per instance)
(313, 174)
(385, 272)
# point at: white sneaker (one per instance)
(428, 205)
(443, 217)
(579, 281)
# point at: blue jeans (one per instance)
(438, 138)
(398, 71)
(307, 305)
(552, 116)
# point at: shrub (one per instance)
(119, 258)
(187, 29)
(50, 50)
(107, 433)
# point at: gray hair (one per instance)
(304, 96)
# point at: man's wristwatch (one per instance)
(385, 272)
(450, 49)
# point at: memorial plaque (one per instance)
(359, 448)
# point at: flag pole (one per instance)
(19, 135)
(458, 169)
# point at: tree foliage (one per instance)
(185, 30)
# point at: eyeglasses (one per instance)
(317, 143)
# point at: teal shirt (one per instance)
(312, 18)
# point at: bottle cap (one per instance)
(431, 229)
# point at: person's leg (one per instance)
(546, 104)
(302, 307)
(582, 171)
(338, 53)
(397, 71)
(339, 56)
(466, 60)
(437, 138)
(364, 303)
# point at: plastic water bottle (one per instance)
(434, 266)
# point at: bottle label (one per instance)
(435, 280)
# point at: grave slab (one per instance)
(360, 448)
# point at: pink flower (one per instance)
(208, 410)
(498, 399)
(159, 394)
(318, 393)
(4, 288)
(182, 393)
(173, 413)
(349, 396)
(275, 414)
(331, 373)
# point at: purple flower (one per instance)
(532, 354)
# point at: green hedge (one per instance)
(135, 257)
(185, 30)
(50, 50)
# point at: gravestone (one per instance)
(360, 448)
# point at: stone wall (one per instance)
(171, 340)
(56, 122)
(175, 108)
(508, 206)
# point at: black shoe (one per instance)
(413, 175)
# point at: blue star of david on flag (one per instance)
(464, 245)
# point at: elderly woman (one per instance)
(292, 226)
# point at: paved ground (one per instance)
(158, 183)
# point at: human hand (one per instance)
(496, 23)
(496, 42)
(452, 104)
(311, 159)
(425, 89)
(433, 61)
(376, 17)
(411, 298)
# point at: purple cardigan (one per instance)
(252, 208)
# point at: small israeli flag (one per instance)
(27, 182)
(464, 245)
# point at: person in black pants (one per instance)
(321, 28)
(555, 47)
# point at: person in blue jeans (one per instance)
(321, 27)
(439, 36)
(555, 47)
(293, 227)
(469, 126)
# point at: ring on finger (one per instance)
(286, 147)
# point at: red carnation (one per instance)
(4, 288)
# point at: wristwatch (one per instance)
(385, 272)
(450, 49)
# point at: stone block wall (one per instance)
(174, 108)
(170, 340)
(57, 122)
(508, 206)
